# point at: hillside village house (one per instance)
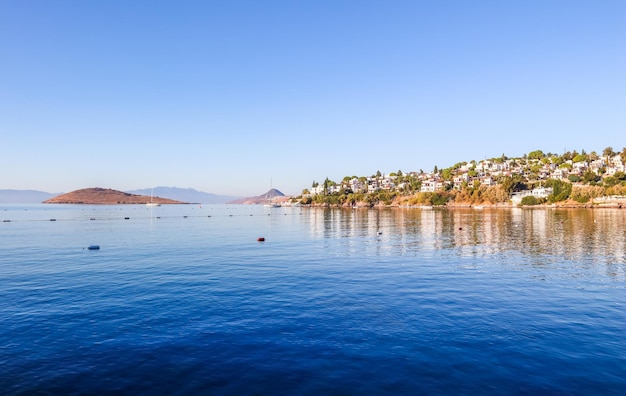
(540, 192)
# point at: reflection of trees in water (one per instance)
(539, 236)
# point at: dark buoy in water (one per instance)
(94, 247)
(260, 239)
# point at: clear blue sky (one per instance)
(224, 96)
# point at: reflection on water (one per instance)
(543, 236)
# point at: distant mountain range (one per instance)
(184, 194)
(24, 196)
(177, 194)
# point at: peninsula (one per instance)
(569, 180)
(106, 196)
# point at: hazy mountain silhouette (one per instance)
(185, 195)
(24, 196)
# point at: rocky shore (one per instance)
(570, 204)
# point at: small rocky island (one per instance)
(107, 196)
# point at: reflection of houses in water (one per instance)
(537, 236)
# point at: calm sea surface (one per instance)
(184, 300)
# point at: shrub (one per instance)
(530, 200)
(439, 198)
(581, 199)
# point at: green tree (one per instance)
(558, 160)
(561, 190)
(608, 152)
(512, 183)
(590, 177)
(326, 185)
(574, 178)
(537, 154)
(610, 181)
(567, 156)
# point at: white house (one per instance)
(539, 192)
(431, 186)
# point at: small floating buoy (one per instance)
(380, 233)
(6, 221)
(260, 239)
(94, 247)
(53, 219)
(93, 218)
(126, 218)
(184, 217)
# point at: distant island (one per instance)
(187, 195)
(107, 196)
(272, 196)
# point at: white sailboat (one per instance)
(270, 203)
(151, 203)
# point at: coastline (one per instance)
(570, 204)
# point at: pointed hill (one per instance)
(106, 196)
(272, 195)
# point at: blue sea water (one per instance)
(183, 299)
